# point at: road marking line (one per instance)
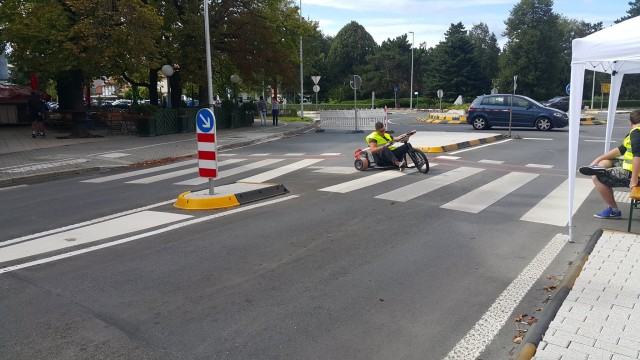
(486, 195)
(144, 235)
(336, 170)
(329, 154)
(294, 154)
(48, 165)
(364, 182)
(483, 332)
(422, 187)
(541, 139)
(140, 172)
(260, 154)
(111, 228)
(553, 208)
(170, 175)
(115, 155)
(268, 175)
(491, 161)
(231, 172)
(447, 157)
(479, 146)
(540, 166)
(84, 223)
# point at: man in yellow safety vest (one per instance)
(382, 149)
(609, 171)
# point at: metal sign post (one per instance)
(515, 85)
(355, 83)
(440, 93)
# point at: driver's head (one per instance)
(380, 127)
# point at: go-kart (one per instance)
(364, 158)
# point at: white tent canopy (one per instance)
(615, 51)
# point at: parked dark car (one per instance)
(558, 102)
(493, 110)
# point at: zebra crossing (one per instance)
(552, 209)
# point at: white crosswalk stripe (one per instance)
(174, 174)
(425, 186)
(280, 171)
(364, 182)
(486, 195)
(231, 172)
(140, 172)
(553, 209)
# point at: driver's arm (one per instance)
(373, 145)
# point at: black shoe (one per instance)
(33, 135)
(592, 170)
(42, 134)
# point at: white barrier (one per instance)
(345, 119)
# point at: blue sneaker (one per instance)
(609, 213)
(592, 170)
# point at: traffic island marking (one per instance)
(227, 196)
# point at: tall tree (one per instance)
(534, 41)
(73, 41)
(455, 69)
(388, 67)
(349, 51)
(574, 29)
(632, 12)
(486, 49)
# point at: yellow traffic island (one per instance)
(227, 196)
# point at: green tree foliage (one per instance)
(574, 29)
(73, 41)
(487, 51)
(632, 12)
(389, 66)
(455, 69)
(348, 52)
(533, 46)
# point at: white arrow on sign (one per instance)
(206, 122)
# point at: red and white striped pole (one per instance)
(207, 152)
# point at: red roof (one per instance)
(12, 93)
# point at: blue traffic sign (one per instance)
(206, 121)
(395, 89)
(568, 88)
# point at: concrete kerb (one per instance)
(460, 145)
(459, 120)
(534, 336)
(227, 196)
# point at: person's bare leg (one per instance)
(606, 193)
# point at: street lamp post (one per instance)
(167, 70)
(411, 92)
(301, 73)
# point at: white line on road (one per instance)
(553, 209)
(231, 172)
(479, 146)
(170, 175)
(491, 161)
(541, 139)
(104, 230)
(268, 175)
(364, 182)
(140, 172)
(498, 314)
(540, 166)
(144, 235)
(486, 195)
(84, 223)
(422, 187)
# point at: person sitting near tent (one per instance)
(609, 171)
(382, 149)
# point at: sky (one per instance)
(430, 19)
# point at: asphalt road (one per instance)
(329, 270)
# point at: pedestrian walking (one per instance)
(36, 115)
(275, 110)
(262, 108)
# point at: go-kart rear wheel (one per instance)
(419, 160)
(359, 164)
